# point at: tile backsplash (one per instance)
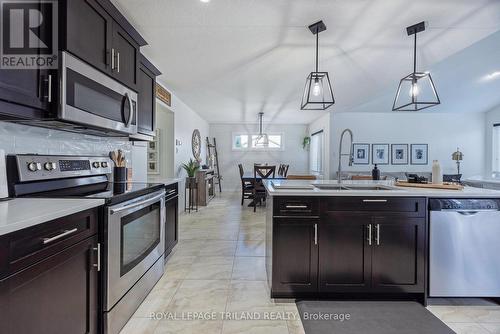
(19, 139)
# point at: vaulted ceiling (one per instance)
(230, 59)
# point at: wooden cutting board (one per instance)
(445, 185)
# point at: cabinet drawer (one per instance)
(414, 207)
(28, 246)
(296, 206)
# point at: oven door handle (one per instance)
(134, 205)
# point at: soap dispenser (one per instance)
(375, 173)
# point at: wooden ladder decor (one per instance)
(213, 153)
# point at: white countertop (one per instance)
(165, 180)
(304, 188)
(19, 213)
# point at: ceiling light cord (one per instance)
(317, 51)
(415, 55)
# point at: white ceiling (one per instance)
(230, 59)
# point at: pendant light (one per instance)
(318, 94)
(262, 139)
(416, 91)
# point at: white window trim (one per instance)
(253, 149)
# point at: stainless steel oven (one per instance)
(134, 257)
(93, 99)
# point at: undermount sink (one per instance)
(353, 187)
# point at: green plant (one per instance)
(191, 167)
(306, 142)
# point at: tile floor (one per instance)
(219, 266)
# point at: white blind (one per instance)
(316, 153)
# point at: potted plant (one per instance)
(191, 167)
(305, 143)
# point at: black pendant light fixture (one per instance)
(262, 139)
(416, 91)
(318, 94)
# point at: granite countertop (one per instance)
(165, 180)
(307, 188)
(19, 213)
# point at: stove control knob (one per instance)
(34, 166)
(50, 166)
(95, 164)
(104, 164)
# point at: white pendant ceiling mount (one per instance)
(262, 139)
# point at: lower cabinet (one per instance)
(295, 252)
(57, 295)
(171, 223)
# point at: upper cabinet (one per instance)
(97, 33)
(146, 113)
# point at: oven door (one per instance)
(93, 99)
(136, 239)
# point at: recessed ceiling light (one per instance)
(205, 1)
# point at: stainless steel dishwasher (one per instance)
(464, 248)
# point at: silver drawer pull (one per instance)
(296, 206)
(370, 234)
(59, 236)
(171, 192)
(374, 201)
(377, 237)
(98, 264)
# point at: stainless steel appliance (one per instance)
(131, 233)
(89, 101)
(464, 248)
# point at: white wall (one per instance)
(323, 124)
(293, 153)
(443, 132)
(165, 122)
(492, 117)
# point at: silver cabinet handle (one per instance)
(112, 59)
(49, 99)
(118, 62)
(98, 264)
(134, 205)
(129, 101)
(377, 237)
(59, 236)
(374, 200)
(369, 234)
(296, 206)
(171, 191)
(315, 234)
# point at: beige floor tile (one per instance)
(467, 328)
(189, 247)
(295, 327)
(493, 328)
(251, 248)
(249, 268)
(211, 268)
(158, 299)
(254, 327)
(140, 326)
(219, 248)
(178, 267)
(189, 327)
(200, 296)
(482, 313)
(450, 314)
(251, 296)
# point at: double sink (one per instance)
(354, 187)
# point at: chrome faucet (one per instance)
(351, 157)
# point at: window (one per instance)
(248, 141)
(496, 149)
(316, 153)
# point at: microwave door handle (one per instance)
(129, 100)
(134, 205)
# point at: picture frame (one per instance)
(153, 154)
(399, 154)
(419, 154)
(380, 154)
(361, 154)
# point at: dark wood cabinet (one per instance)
(51, 286)
(398, 254)
(295, 255)
(378, 249)
(126, 57)
(146, 113)
(171, 222)
(88, 32)
(345, 253)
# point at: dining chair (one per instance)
(259, 191)
(246, 186)
(284, 171)
(280, 170)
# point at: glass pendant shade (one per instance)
(318, 94)
(416, 91)
(262, 139)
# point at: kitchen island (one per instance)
(360, 239)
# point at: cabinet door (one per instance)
(126, 57)
(56, 295)
(146, 111)
(398, 258)
(345, 253)
(88, 32)
(171, 224)
(295, 255)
